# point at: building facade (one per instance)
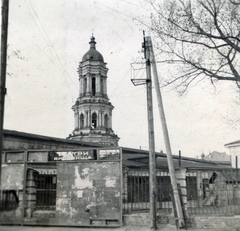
(92, 109)
(234, 152)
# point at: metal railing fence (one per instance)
(207, 192)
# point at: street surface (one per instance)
(124, 228)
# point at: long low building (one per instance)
(53, 181)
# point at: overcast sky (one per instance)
(47, 40)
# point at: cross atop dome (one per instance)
(92, 42)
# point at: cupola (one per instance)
(93, 54)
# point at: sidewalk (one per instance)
(124, 228)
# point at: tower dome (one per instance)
(93, 54)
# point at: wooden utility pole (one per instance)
(152, 163)
(166, 137)
(152, 160)
(4, 33)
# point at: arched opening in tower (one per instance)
(81, 121)
(94, 120)
(101, 86)
(106, 121)
(85, 86)
(93, 86)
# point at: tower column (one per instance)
(76, 119)
(88, 90)
(89, 118)
(98, 83)
(100, 118)
(85, 118)
(81, 86)
(105, 86)
(110, 121)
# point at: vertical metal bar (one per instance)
(127, 191)
(121, 180)
(157, 202)
(132, 191)
(237, 171)
(226, 196)
(48, 191)
(24, 189)
(143, 189)
(138, 188)
(1, 198)
(142, 182)
(123, 190)
(179, 159)
(146, 189)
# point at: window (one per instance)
(164, 188)
(46, 192)
(81, 121)
(9, 200)
(94, 120)
(93, 86)
(138, 189)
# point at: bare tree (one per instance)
(202, 37)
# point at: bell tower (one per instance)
(92, 109)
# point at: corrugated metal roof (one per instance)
(131, 156)
(141, 158)
(48, 138)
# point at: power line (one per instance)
(46, 39)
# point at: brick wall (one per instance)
(143, 219)
(217, 222)
(206, 222)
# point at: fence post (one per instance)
(237, 171)
(200, 188)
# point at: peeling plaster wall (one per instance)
(12, 176)
(88, 191)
